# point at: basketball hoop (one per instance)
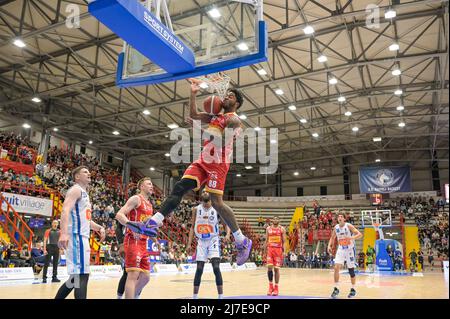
(214, 82)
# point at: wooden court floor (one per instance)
(294, 283)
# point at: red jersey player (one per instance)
(275, 239)
(137, 265)
(212, 172)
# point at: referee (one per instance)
(51, 249)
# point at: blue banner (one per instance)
(382, 180)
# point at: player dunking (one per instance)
(212, 174)
(137, 264)
(76, 226)
(205, 225)
(346, 235)
(274, 245)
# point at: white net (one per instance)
(215, 83)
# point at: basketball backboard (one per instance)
(376, 218)
(160, 48)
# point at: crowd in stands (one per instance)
(16, 148)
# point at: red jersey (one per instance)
(275, 237)
(140, 214)
(217, 125)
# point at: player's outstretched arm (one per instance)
(69, 202)
(191, 230)
(193, 112)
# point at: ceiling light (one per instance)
(55, 129)
(243, 117)
(398, 92)
(238, 175)
(292, 107)
(167, 155)
(355, 129)
(152, 168)
(377, 139)
(396, 72)
(303, 121)
(257, 129)
(146, 112)
(296, 173)
(19, 43)
(243, 46)
(214, 13)
(308, 30)
(313, 168)
(279, 91)
(390, 14)
(26, 125)
(377, 160)
(400, 108)
(262, 72)
(348, 113)
(333, 81)
(394, 47)
(322, 59)
(342, 99)
(402, 124)
(172, 126)
(203, 85)
(36, 99)
(273, 141)
(116, 133)
(248, 167)
(90, 142)
(315, 134)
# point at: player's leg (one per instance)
(121, 286)
(338, 263)
(243, 244)
(198, 278)
(278, 263)
(193, 178)
(144, 276)
(142, 281)
(218, 274)
(270, 262)
(130, 285)
(351, 270)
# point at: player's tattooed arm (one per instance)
(191, 231)
(131, 203)
(193, 110)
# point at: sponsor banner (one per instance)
(384, 180)
(295, 199)
(250, 266)
(62, 272)
(29, 204)
(188, 268)
(241, 267)
(16, 273)
(225, 267)
(445, 265)
(155, 259)
(165, 268)
(414, 194)
(113, 271)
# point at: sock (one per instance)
(336, 285)
(195, 296)
(119, 296)
(276, 285)
(353, 286)
(137, 296)
(158, 218)
(238, 236)
(220, 296)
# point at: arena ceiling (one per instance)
(73, 72)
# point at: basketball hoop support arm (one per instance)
(258, 4)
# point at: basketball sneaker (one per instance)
(269, 293)
(244, 250)
(352, 293)
(275, 291)
(335, 293)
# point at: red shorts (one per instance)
(275, 257)
(213, 175)
(136, 255)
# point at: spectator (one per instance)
(38, 257)
(260, 221)
(420, 259)
(3, 247)
(370, 253)
(361, 258)
(13, 256)
(292, 260)
(413, 258)
(25, 256)
(431, 258)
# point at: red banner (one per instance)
(16, 167)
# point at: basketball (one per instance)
(213, 105)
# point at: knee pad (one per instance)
(352, 272)
(270, 274)
(183, 186)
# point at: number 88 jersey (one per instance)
(206, 223)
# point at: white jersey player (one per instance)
(205, 226)
(346, 234)
(76, 225)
